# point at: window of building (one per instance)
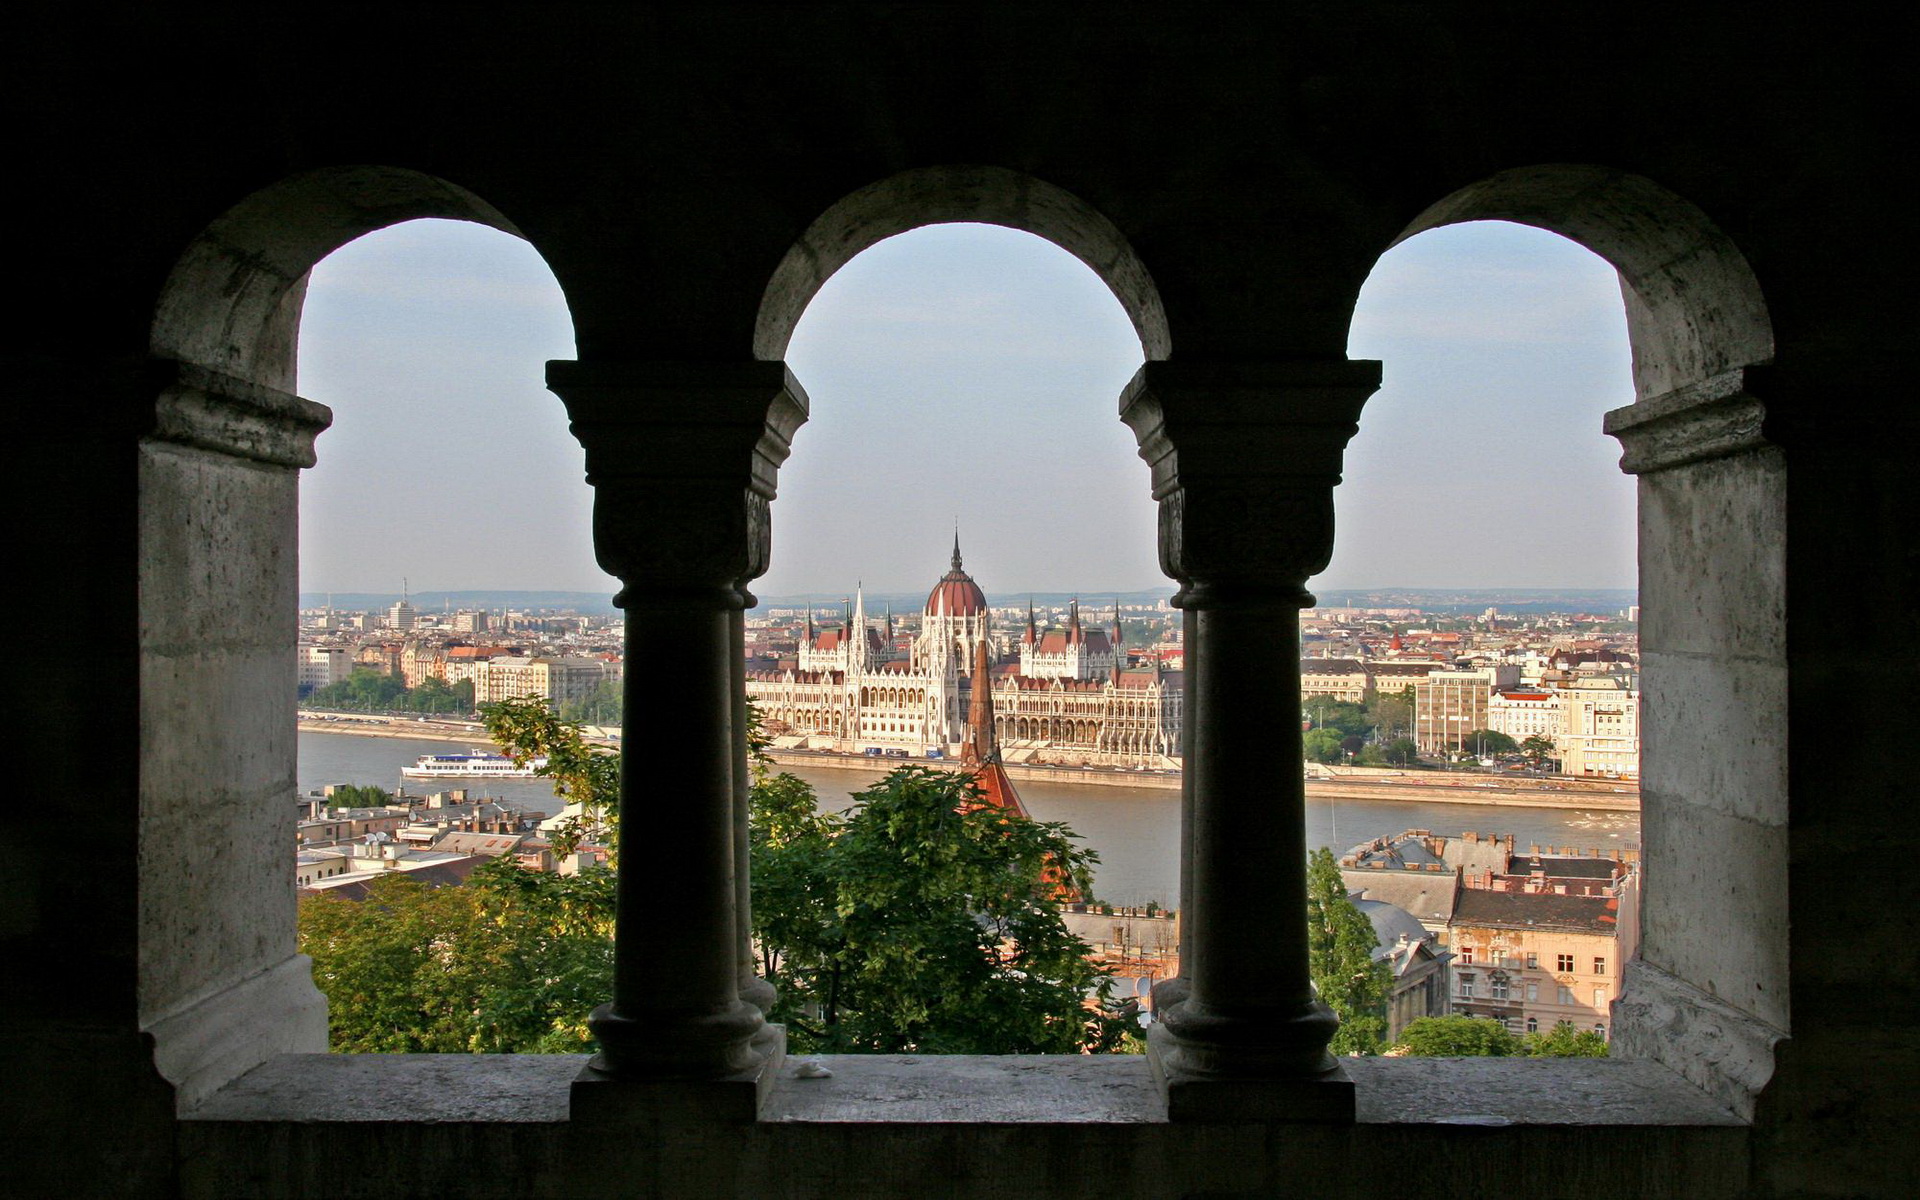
(1599, 997)
(1566, 964)
(1599, 966)
(1533, 1024)
(1466, 986)
(1533, 992)
(1466, 954)
(1533, 961)
(1499, 987)
(1566, 994)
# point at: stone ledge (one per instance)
(966, 1089)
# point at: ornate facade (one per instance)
(1066, 699)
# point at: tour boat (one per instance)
(475, 764)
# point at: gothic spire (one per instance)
(956, 545)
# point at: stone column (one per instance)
(682, 458)
(221, 987)
(1245, 457)
(1707, 993)
(753, 989)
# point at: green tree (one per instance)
(1483, 742)
(1458, 1037)
(353, 795)
(1391, 714)
(921, 921)
(365, 690)
(501, 965)
(1342, 716)
(601, 706)
(529, 728)
(1565, 1041)
(1401, 751)
(1538, 749)
(1340, 946)
(1322, 746)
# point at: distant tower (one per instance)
(401, 615)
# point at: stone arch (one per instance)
(1694, 306)
(220, 983)
(232, 301)
(1713, 498)
(947, 195)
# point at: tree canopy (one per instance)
(354, 795)
(1489, 741)
(1472, 1037)
(1458, 1037)
(918, 921)
(380, 691)
(512, 962)
(921, 921)
(1340, 946)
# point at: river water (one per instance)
(1135, 831)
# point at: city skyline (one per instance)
(966, 372)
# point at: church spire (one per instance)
(956, 546)
(1032, 636)
(1074, 634)
(1119, 634)
(979, 747)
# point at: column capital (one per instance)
(1245, 456)
(1715, 418)
(208, 410)
(683, 458)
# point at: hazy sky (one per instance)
(965, 372)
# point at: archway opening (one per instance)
(964, 374)
(1476, 633)
(446, 564)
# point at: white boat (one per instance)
(474, 764)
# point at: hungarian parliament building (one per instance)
(1068, 699)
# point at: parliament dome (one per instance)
(956, 595)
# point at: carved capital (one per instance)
(683, 459)
(1715, 418)
(1724, 1052)
(210, 411)
(1245, 457)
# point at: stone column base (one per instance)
(1198, 1097)
(604, 1102)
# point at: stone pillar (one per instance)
(682, 458)
(1245, 457)
(221, 987)
(1707, 994)
(753, 989)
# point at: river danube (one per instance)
(1136, 831)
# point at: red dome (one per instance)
(956, 595)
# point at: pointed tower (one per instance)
(858, 658)
(980, 750)
(1119, 637)
(979, 746)
(1032, 635)
(1075, 635)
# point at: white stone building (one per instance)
(1067, 700)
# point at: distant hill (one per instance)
(585, 603)
(1459, 600)
(1434, 600)
(910, 602)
